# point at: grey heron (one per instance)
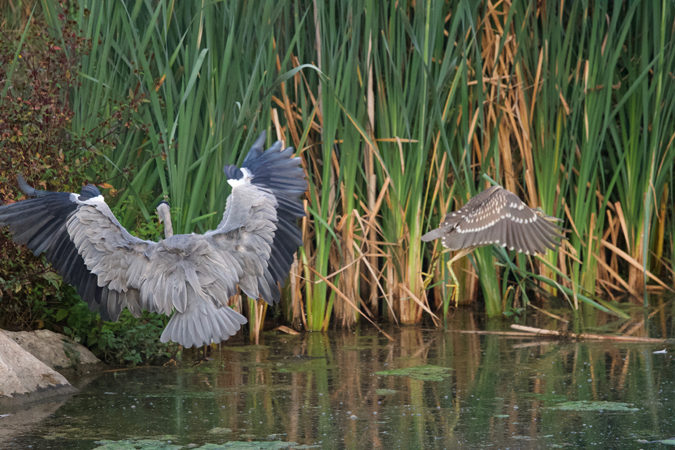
(495, 216)
(189, 275)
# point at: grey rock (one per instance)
(25, 378)
(54, 349)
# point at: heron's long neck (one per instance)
(168, 228)
(165, 215)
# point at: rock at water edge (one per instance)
(23, 377)
(54, 349)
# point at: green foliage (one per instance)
(129, 341)
(34, 122)
(514, 312)
(35, 117)
(38, 141)
(413, 101)
(151, 230)
(30, 292)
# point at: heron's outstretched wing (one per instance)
(275, 171)
(497, 216)
(196, 274)
(84, 242)
(244, 238)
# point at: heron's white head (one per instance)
(246, 179)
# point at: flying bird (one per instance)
(189, 275)
(496, 216)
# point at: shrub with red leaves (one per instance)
(36, 140)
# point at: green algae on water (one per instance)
(137, 444)
(546, 397)
(424, 372)
(259, 388)
(358, 347)
(262, 445)
(584, 405)
(184, 394)
(305, 366)
(247, 348)
(155, 444)
(219, 430)
(385, 391)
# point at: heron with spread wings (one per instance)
(496, 216)
(189, 275)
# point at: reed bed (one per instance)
(398, 110)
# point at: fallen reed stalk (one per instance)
(541, 332)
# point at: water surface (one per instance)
(426, 389)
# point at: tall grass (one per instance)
(398, 109)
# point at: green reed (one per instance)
(398, 109)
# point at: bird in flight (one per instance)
(495, 216)
(189, 275)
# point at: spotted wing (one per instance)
(453, 219)
(497, 216)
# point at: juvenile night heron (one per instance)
(496, 216)
(193, 274)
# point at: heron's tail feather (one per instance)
(202, 323)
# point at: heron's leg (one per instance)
(455, 282)
(173, 358)
(429, 276)
(204, 356)
(432, 265)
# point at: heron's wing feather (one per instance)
(244, 238)
(536, 232)
(283, 175)
(451, 220)
(497, 216)
(479, 201)
(169, 274)
(76, 232)
(503, 219)
(275, 170)
(458, 228)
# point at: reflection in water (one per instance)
(20, 420)
(324, 389)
